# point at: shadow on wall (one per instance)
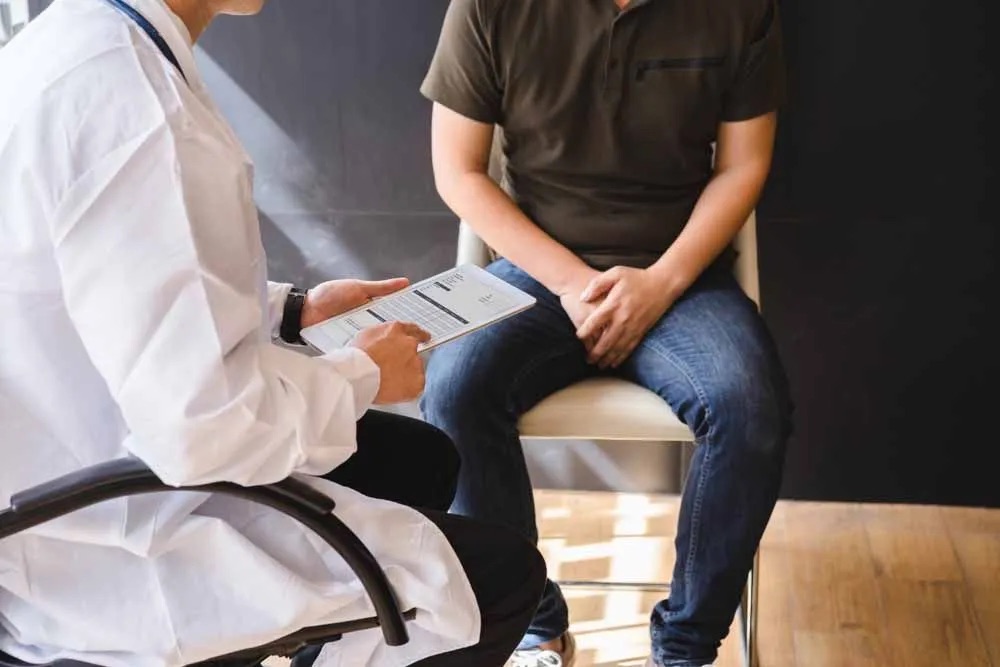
(325, 98)
(306, 248)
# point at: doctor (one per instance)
(135, 319)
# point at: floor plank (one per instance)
(975, 535)
(907, 543)
(836, 611)
(776, 600)
(932, 624)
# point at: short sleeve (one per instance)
(463, 73)
(759, 86)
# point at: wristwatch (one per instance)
(291, 318)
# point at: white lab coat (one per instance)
(135, 318)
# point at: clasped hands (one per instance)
(614, 310)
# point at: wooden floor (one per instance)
(841, 584)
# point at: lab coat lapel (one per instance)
(176, 35)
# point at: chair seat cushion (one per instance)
(604, 409)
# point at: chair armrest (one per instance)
(131, 476)
(292, 497)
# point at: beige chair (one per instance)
(613, 409)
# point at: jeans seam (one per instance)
(529, 368)
(672, 359)
(696, 517)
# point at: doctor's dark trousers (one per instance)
(412, 463)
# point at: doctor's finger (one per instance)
(413, 331)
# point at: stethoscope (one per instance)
(148, 28)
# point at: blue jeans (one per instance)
(712, 360)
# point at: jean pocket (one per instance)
(696, 63)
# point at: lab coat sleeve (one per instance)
(161, 265)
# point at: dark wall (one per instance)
(878, 236)
(878, 251)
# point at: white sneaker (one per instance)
(536, 657)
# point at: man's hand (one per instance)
(335, 297)
(633, 301)
(576, 308)
(393, 348)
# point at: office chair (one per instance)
(294, 498)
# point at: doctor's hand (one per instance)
(631, 302)
(332, 298)
(393, 348)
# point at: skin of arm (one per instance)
(460, 149)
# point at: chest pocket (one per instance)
(701, 63)
(683, 94)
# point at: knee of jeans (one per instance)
(748, 410)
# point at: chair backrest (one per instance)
(746, 258)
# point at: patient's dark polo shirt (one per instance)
(608, 116)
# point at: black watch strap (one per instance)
(291, 318)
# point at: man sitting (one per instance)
(613, 214)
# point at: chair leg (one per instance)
(648, 586)
(748, 614)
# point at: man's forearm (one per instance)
(721, 211)
(478, 200)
